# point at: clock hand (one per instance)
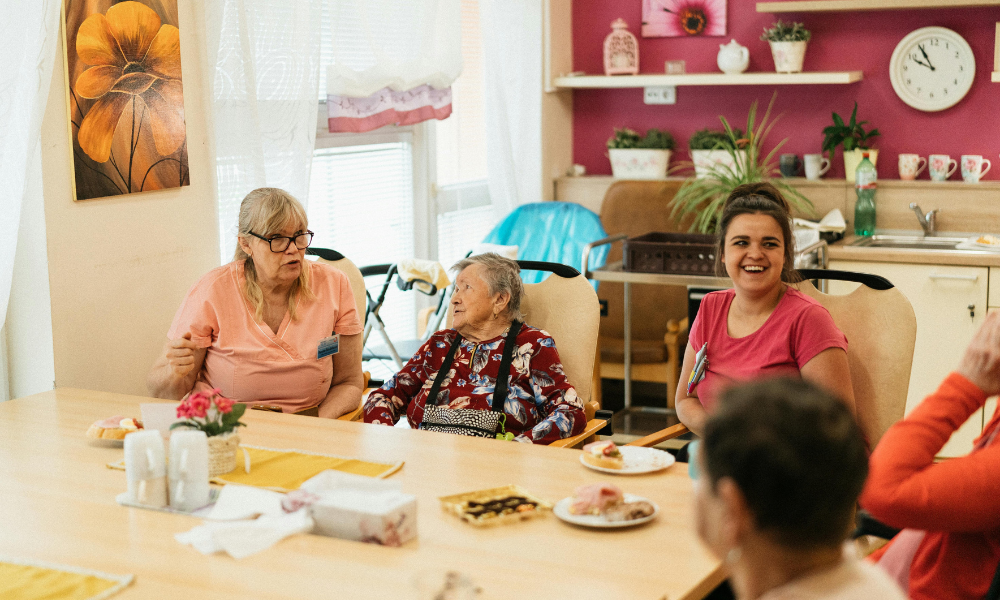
(927, 58)
(919, 62)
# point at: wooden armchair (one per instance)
(659, 313)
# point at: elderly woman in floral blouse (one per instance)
(541, 405)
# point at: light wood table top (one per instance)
(58, 504)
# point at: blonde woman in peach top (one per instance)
(253, 327)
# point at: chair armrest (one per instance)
(661, 436)
(587, 249)
(355, 415)
(676, 332)
(577, 441)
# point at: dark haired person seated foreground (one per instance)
(952, 508)
(781, 465)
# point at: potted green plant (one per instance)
(788, 45)
(635, 156)
(712, 147)
(704, 197)
(853, 137)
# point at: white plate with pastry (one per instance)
(605, 507)
(987, 241)
(112, 431)
(606, 457)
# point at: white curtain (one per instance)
(512, 56)
(395, 44)
(29, 34)
(263, 59)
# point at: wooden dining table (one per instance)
(57, 505)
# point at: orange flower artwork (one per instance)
(126, 96)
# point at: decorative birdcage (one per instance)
(621, 51)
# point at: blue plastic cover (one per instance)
(553, 232)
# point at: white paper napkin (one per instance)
(233, 529)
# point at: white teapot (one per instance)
(733, 58)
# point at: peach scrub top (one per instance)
(249, 362)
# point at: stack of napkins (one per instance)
(246, 520)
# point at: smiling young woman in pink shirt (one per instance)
(762, 327)
(253, 327)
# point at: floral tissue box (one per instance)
(353, 507)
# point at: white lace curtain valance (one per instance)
(393, 61)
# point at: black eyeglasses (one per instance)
(279, 243)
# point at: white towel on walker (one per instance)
(426, 270)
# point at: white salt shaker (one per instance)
(188, 469)
(145, 468)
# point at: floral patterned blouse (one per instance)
(541, 405)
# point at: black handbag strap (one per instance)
(432, 396)
(503, 375)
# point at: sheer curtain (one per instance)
(29, 34)
(263, 58)
(393, 61)
(512, 55)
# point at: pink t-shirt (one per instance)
(797, 330)
(249, 362)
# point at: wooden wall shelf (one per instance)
(856, 5)
(995, 76)
(640, 81)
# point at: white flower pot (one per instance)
(639, 163)
(788, 56)
(853, 159)
(706, 160)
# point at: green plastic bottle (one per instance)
(864, 209)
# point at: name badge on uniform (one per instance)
(328, 346)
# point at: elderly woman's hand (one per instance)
(981, 363)
(181, 355)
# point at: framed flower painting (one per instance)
(125, 96)
(683, 18)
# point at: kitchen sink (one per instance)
(908, 242)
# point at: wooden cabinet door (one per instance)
(941, 296)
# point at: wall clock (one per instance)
(932, 68)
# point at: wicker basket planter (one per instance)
(222, 453)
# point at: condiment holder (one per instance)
(188, 470)
(145, 469)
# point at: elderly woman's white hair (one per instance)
(501, 275)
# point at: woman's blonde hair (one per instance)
(266, 211)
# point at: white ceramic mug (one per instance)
(941, 166)
(816, 165)
(188, 469)
(145, 468)
(972, 167)
(911, 165)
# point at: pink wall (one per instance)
(840, 42)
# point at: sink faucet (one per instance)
(928, 222)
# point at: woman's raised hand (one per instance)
(180, 355)
(981, 363)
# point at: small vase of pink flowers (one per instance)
(218, 417)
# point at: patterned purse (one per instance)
(467, 421)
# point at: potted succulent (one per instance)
(218, 417)
(635, 156)
(704, 197)
(711, 147)
(788, 45)
(853, 137)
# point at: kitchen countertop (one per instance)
(842, 250)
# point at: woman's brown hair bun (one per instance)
(758, 198)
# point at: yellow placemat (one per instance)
(22, 579)
(286, 470)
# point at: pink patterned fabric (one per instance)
(387, 107)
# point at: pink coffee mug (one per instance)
(941, 166)
(972, 167)
(911, 165)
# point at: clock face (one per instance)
(932, 68)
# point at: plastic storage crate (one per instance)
(672, 253)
